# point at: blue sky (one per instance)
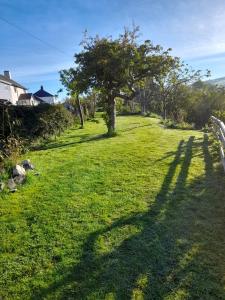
(194, 29)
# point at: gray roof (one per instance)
(25, 96)
(8, 81)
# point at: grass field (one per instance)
(137, 216)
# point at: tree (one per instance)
(146, 96)
(90, 102)
(74, 88)
(172, 84)
(205, 100)
(115, 68)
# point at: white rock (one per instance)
(18, 170)
(2, 186)
(19, 179)
(11, 184)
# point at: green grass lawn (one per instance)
(137, 216)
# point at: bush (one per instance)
(12, 146)
(34, 122)
(53, 121)
(10, 150)
(174, 125)
(220, 115)
(22, 125)
(153, 115)
(132, 109)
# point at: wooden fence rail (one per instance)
(219, 130)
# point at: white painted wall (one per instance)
(10, 93)
(49, 100)
(35, 102)
(28, 102)
(5, 91)
(15, 93)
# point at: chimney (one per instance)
(7, 74)
(42, 87)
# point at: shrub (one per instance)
(174, 125)
(220, 115)
(34, 122)
(10, 150)
(153, 115)
(53, 121)
(94, 120)
(129, 109)
(12, 146)
(19, 126)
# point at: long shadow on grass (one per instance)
(164, 256)
(85, 138)
(80, 139)
(135, 127)
(197, 144)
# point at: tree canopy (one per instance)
(115, 68)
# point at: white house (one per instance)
(16, 94)
(45, 96)
(10, 90)
(29, 99)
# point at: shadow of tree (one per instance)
(81, 138)
(85, 138)
(171, 253)
(135, 127)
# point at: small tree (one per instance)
(115, 68)
(170, 85)
(146, 96)
(74, 87)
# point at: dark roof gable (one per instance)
(42, 93)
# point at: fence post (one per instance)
(219, 131)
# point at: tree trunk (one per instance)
(93, 107)
(143, 107)
(86, 110)
(142, 102)
(164, 110)
(111, 116)
(80, 112)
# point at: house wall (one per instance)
(10, 93)
(34, 102)
(49, 100)
(5, 91)
(28, 102)
(15, 93)
(24, 102)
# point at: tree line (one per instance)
(122, 73)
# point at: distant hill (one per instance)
(218, 81)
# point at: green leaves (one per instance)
(115, 67)
(112, 66)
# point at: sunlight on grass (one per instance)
(189, 256)
(137, 295)
(137, 216)
(109, 241)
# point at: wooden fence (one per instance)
(219, 130)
